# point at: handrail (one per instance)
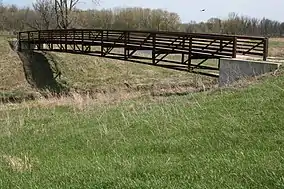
(156, 32)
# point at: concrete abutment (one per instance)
(232, 69)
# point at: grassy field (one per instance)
(144, 128)
(276, 47)
(220, 139)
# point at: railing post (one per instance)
(102, 42)
(39, 42)
(66, 34)
(221, 44)
(60, 41)
(29, 44)
(50, 38)
(189, 53)
(154, 48)
(19, 41)
(182, 55)
(235, 40)
(89, 39)
(74, 38)
(265, 49)
(126, 34)
(82, 35)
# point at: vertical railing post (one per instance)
(221, 44)
(29, 43)
(265, 49)
(19, 41)
(66, 34)
(82, 40)
(182, 55)
(60, 41)
(154, 48)
(74, 38)
(50, 38)
(89, 40)
(126, 34)
(235, 41)
(102, 42)
(189, 53)
(39, 41)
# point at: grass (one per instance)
(86, 74)
(276, 42)
(12, 75)
(276, 47)
(222, 139)
(225, 138)
(105, 74)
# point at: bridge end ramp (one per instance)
(233, 69)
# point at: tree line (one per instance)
(240, 25)
(45, 14)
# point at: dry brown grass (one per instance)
(17, 164)
(276, 47)
(12, 75)
(277, 39)
(81, 101)
(276, 52)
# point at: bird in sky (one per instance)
(203, 10)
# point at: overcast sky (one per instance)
(190, 9)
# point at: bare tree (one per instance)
(43, 16)
(63, 12)
(157, 19)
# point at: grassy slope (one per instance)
(97, 73)
(86, 73)
(12, 77)
(224, 139)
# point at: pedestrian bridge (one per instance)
(173, 50)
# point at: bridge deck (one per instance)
(161, 44)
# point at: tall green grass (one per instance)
(224, 139)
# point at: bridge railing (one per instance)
(165, 42)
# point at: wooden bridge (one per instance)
(174, 50)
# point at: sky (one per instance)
(190, 9)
